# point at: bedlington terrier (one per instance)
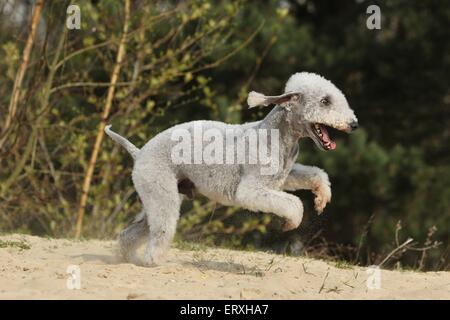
(309, 105)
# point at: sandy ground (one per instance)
(36, 268)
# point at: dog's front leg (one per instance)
(310, 178)
(254, 197)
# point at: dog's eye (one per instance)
(325, 101)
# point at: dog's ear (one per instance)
(256, 99)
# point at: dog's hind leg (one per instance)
(132, 237)
(258, 198)
(161, 200)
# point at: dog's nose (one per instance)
(353, 125)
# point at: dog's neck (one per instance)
(280, 118)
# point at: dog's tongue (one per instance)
(326, 138)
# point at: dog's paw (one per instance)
(289, 225)
(323, 196)
(292, 224)
(132, 258)
(144, 263)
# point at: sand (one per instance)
(36, 268)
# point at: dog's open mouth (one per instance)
(322, 136)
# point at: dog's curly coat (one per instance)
(309, 104)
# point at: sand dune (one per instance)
(36, 268)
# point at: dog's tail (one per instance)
(131, 148)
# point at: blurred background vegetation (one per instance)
(198, 59)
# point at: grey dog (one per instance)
(309, 105)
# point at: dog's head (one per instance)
(313, 103)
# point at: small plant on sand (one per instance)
(341, 264)
(189, 246)
(22, 244)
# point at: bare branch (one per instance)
(105, 114)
